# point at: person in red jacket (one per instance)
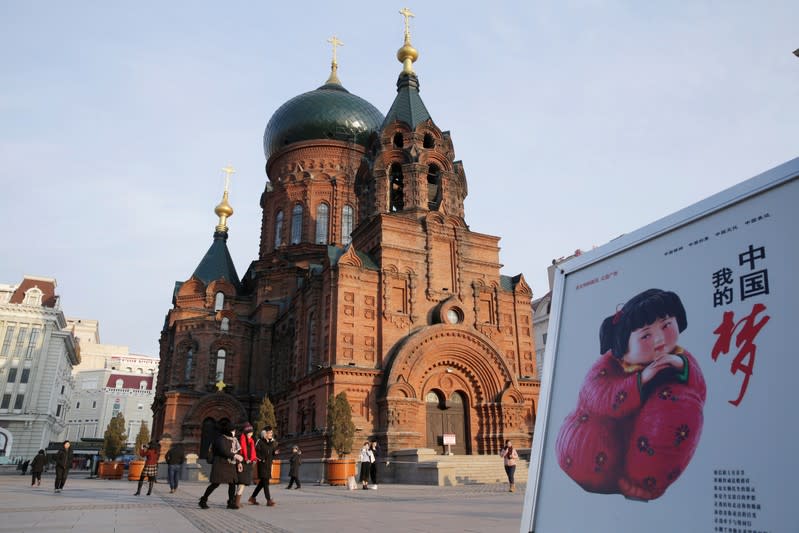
(248, 463)
(150, 452)
(639, 413)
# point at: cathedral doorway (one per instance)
(209, 433)
(447, 416)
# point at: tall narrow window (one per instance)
(119, 384)
(6, 401)
(433, 187)
(33, 343)
(219, 302)
(220, 365)
(189, 363)
(322, 216)
(225, 324)
(278, 229)
(346, 225)
(21, 398)
(296, 224)
(12, 374)
(311, 342)
(25, 376)
(7, 340)
(396, 189)
(21, 338)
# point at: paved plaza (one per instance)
(94, 505)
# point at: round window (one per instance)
(453, 317)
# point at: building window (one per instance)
(322, 219)
(94, 404)
(278, 229)
(7, 340)
(220, 365)
(398, 141)
(219, 302)
(346, 225)
(57, 409)
(140, 407)
(396, 189)
(225, 324)
(311, 343)
(33, 342)
(18, 401)
(433, 187)
(6, 401)
(189, 363)
(119, 384)
(142, 385)
(23, 334)
(33, 296)
(12, 374)
(62, 389)
(26, 374)
(296, 224)
(77, 405)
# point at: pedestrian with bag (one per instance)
(248, 463)
(63, 462)
(510, 457)
(150, 451)
(377, 454)
(226, 462)
(37, 467)
(175, 457)
(265, 450)
(367, 458)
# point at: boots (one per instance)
(203, 503)
(270, 503)
(138, 490)
(512, 488)
(252, 501)
(150, 488)
(234, 503)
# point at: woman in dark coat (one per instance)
(250, 460)
(294, 466)
(265, 449)
(226, 465)
(63, 462)
(37, 467)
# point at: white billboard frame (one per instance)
(780, 175)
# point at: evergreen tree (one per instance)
(340, 426)
(266, 415)
(114, 438)
(142, 438)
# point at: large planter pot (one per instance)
(110, 470)
(275, 478)
(338, 470)
(134, 469)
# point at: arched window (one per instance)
(189, 363)
(225, 324)
(433, 187)
(428, 141)
(396, 186)
(296, 224)
(33, 296)
(346, 225)
(322, 216)
(278, 229)
(220, 364)
(142, 385)
(398, 141)
(119, 384)
(219, 301)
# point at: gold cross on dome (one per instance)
(220, 385)
(335, 42)
(228, 170)
(405, 12)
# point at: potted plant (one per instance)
(137, 465)
(113, 443)
(266, 417)
(341, 432)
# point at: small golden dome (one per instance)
(407, 51)
(223, 208)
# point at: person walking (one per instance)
(150, 452)
(37, 467)
(248, 452)
(265, 450)
(24, 467)
(63, 462)
(226, 463)
(366, 457)
(294, 466)
(377, 454)
(175, 457)
(510, 457)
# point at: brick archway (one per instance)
(449, 359)
(213, 406)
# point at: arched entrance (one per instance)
(447, 417)
(209, 433)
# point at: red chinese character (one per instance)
(745, 360)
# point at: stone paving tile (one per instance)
(90, 505)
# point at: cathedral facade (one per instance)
(368, 280)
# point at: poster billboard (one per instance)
(669, 392)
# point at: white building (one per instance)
(109, 380)
(36, 359)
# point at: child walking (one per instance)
(294, 467)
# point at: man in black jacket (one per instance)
(63, 462)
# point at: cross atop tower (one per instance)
(228, 170)
(405, 12)
(335, 42)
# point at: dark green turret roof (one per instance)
(217, 263)
(329, 112)
(408, 106)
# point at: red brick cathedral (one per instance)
(368, 280)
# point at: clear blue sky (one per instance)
(576, 122)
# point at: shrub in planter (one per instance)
(341, 432)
